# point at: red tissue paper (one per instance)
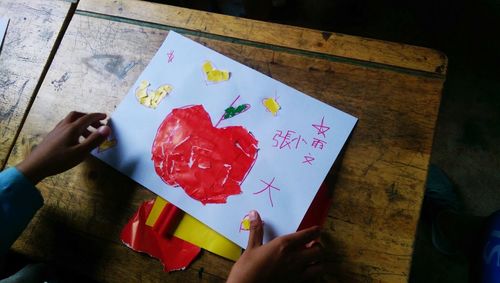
(173, 253)
(199, 162)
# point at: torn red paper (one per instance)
(208, 163)
(173, 253)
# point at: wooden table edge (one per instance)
(341, 46)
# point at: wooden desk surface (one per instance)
(393, 89)
(31, 36)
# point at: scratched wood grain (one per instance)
(377, 193)
(343, 45)
(32, 32)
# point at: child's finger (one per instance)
(310, 255)
(95, 139)
(85, 121)
(97, 124)
(302, 237)
(256, 230)
(73, 116)
(86, 133)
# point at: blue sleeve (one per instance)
(491, 250)
(19, 201)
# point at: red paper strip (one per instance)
(168, 220)
(174, 253)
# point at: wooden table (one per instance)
(393, 89)
(34, 28)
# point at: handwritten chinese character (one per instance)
(170, 56)
(317, 143)
(268, 187)
(322, 128)
(299, 139)
(285, 139)
(308, 159)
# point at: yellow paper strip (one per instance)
(155, 211)
(193, 231)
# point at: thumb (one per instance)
(95, 139)
(256, 230)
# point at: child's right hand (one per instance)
(291, 258)
(61, 150)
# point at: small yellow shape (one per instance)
(245, 223)
(271, 105)
(105, 145)
(153, 98)
(214, 75)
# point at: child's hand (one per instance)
(290, 258)
(61, 149)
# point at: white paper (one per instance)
(3, 29)
(178, 63)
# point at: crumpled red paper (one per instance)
(208, 163)
(173, 253)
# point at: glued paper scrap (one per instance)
(219, 150)
(208, 163)
(107, 144)
(231, 111)
(245, 223)
(214, 75)
(271, 105)
(151, 99)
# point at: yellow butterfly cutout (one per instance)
(271, 105)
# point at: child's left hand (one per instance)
(61, 150)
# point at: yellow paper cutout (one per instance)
(245, 224)
(193, 231)
(105, 145)
(153, 98)
(214, 75)
(271, 105)
(156, 210)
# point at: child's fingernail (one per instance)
(252, 215)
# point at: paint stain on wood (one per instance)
(111, 64)
(58, 84)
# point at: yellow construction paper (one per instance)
(153, 98)
(214, 75)
(271, 105)
(193, 231)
